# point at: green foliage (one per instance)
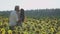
(38, 13)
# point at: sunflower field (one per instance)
(32, 26)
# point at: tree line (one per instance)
(35, 13)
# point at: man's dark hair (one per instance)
(16, 7)
(22, 15)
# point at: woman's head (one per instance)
(22, 11)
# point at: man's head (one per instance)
(16, 8)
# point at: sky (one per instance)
(29, 4)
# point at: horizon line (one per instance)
(33, 9)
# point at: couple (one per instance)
(16, 17)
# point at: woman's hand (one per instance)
(18, 20)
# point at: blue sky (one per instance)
(29, 4)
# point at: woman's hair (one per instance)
(22, 15)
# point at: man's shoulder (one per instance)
(13, 12)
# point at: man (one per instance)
(14, 18)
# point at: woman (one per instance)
(22, 15)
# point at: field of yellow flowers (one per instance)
(32, 26)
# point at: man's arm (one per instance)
(12, 18)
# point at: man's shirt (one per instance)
(13, 18)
